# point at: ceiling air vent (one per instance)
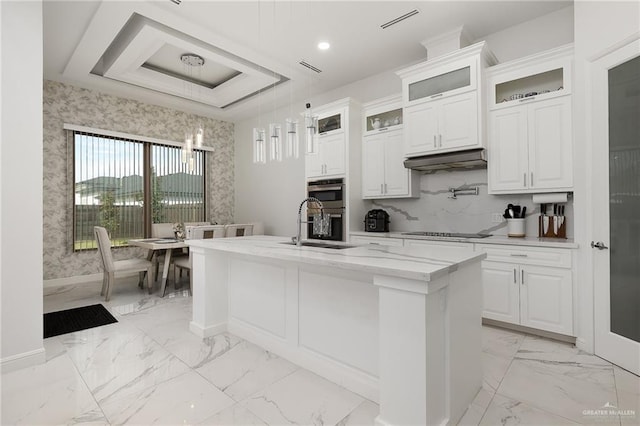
(399, 19)
(311, 67)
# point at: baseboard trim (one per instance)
(204, 332)
(529, 330)
(80, 279)
(23, 360)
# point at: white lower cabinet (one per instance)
(533, 289)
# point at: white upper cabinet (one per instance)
(443, 100)
(530, 126)
(383, 171)
(329, 158)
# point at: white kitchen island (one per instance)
(400, 326)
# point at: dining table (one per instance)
(156, 246)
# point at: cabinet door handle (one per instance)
(522, 276)
(518, 255)
(514, 275)
(385, 188)
(381, 190)
(531, 178)
(524, 179)
(434, 141)
(440, 139)
(435, 96)
(383, 129)
(527, 99)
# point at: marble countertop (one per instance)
(424, 264)
(495, 239)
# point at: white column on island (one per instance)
(210, 285)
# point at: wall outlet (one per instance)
(496, 218)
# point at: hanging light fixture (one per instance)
(189, 62)
(293, 150)
(311, 130)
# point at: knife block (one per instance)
(560, 233)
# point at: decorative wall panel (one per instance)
(64, 103)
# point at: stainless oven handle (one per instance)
(324, 188)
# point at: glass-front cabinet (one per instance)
(530, 125)
(443, 102)
(383, 171)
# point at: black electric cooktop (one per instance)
(446, 234)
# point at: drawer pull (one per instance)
(514, 275)
(518, 255)
(522, 275)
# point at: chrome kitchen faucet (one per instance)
(324, 228)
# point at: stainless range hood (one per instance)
(463, 160)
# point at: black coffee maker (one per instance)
(376, 221)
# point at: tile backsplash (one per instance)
(435, 210)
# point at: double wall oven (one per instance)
(332, 195)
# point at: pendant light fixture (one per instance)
(311, 130)
(191, 137)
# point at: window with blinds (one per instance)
(126, 185)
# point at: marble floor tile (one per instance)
(186, 399)
(628, 388)
(494, 368)
(303, 398)
(245, 369)
(500, 341)
(235, 415)
(49, 393)
(476, 410)
(559, 379)
(363, 415)
(120, 360)
(197, 352)
(505, 411)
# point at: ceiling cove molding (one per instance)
(123, 39)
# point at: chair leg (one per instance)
(141, 279)
(110, 284)
(104, 283)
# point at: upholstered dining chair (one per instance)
(183, 263)
(239, 230)
(111, 267)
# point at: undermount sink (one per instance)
(320, 245)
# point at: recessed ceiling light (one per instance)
(324, 45)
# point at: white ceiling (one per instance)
(264, 40)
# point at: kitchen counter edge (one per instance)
(495, 239)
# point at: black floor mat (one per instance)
(76, 319)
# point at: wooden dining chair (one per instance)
(111, 267)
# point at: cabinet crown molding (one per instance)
(479, 48)
(561, 52)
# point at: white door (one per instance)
(333, 152)
(421, 128)
(546, 299)
(396, 175)
(458, 124)
(373, 165)
(508, 152)
(616, 205)
(550, 153)
(501, 292)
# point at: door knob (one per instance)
(599, 245)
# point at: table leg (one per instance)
(165, 271)
(150, 254)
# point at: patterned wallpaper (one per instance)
(64, 103)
